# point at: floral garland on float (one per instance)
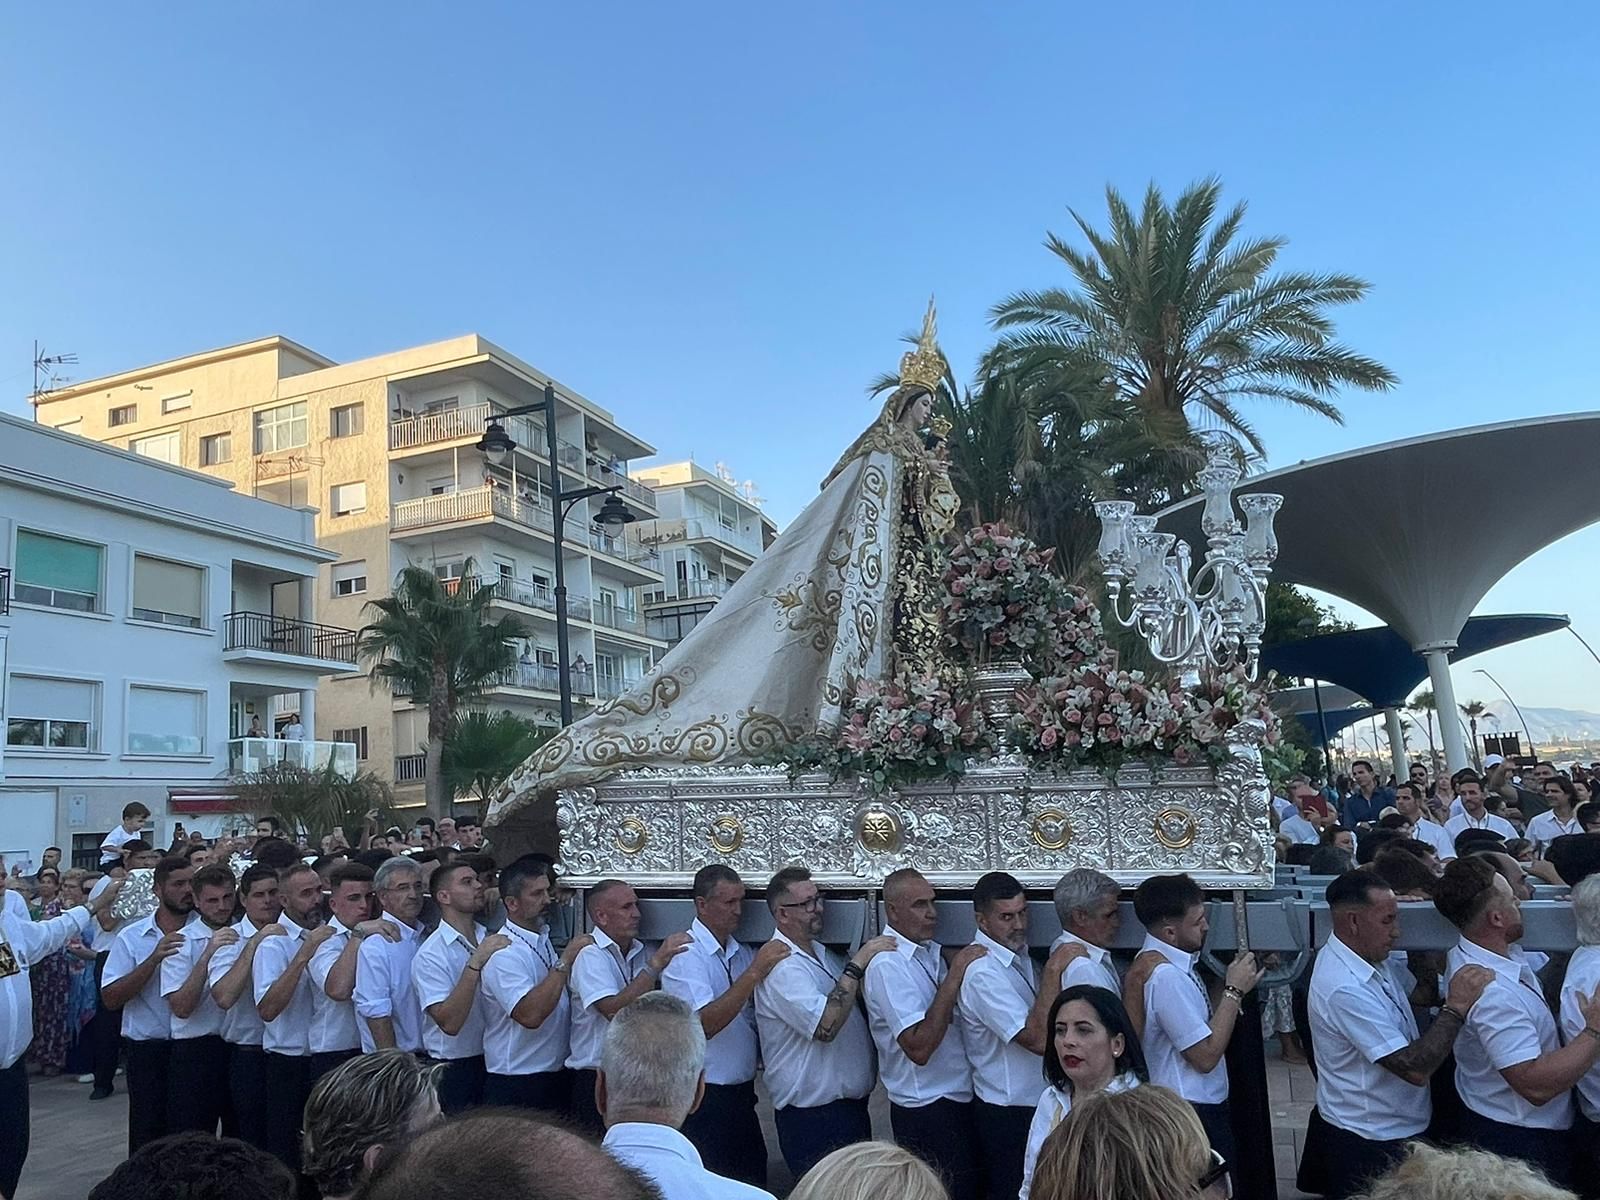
(1030, 672)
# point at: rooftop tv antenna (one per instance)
(46, 374)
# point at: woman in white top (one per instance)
(1092, 1048)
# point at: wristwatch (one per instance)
(854, 971)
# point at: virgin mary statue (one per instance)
(845, 593)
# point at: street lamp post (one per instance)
(497, 445)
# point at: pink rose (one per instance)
(1074, 737)
(1048, 738)
(985, 570)
(1105, 719)
(896, 734)
(958, 587)
(997, 638)
(919, 731)
(1002, 564)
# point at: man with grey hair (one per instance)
(652, 1076)
(1087, 904)
(384, 994)
(1583, 979)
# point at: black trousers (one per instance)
(198, 1089)
(727, 1132)
(104, 1033)
(1586, 1156)
(1002, 1145)
(944, 1134)
(13, 1124)
(247, 1089)
(287, 1078)
(1548, 1149)
(544, 1091)
(1351, 1162)
(149, 1079)
(808, 1135)
(324, 1061)
(1219, 1126)
(583, 1113)
(461, 1084)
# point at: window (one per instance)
(357, 736)
(52, 714)
(57, 572)
(168, 592)
(282, 428)
(177, 402)
(163, 447)
(347, 498)
(123, 414)
(350, 579)
(508, 570)
(448, 404)
(442, 486)
(346, 420)
(447, 570)
(166, 721)
(215, 449)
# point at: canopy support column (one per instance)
(1397, 743)
(1437, 656)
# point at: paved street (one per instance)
(76, 1143)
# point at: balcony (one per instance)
(609, 687)
(5, 590)
(263, 639)
(545, 677)
(677, 591)
(624, 619)
(646, 558)
(251, 756)
(410, 768)
(471, 504)
(446, 425)
(667, 530)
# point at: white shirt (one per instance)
(1054, 1105)
(384, 987)
(145, 1017)
(333, 1022)
(111, 847)
(440, 962)
(294, 732)
(1508, 1025)
(289, 1033)
(1433, 834)
(30, 942)
(1456, 825)
(1284, 807)
(801, 1071)
(702, 973)
(1583, 976)
(1299, 831)
(1178, 1016)
(668, 1159)
(508, 1047)
(599, 972)
(997, 994)
(241, 1024)
(1547, 827)
(1095, 969)
(17, 907)
(900, 986)
(206, 1020)
(1359, 1014)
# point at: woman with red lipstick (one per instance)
(1092, 1048)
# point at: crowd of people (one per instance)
(367, 1022)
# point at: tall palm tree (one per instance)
(434, 641)
(1472, 710)
(1185, 321)
(1423, 702)
(482, 748)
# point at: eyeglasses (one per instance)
(1218, 1173)
(810, 905)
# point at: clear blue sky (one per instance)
(716, 219)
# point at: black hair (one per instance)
(1330, 860)
(1355, 888)
(1394, 821)
(777, 887)
(1470, 840)
(1165, 898)
(136, 846)
(271, 821)
(709, 877)
(276, 853)
(514, 877)
(467, 821)
(1369, 843)
(253, 875)
(167, 866)
(1404, 872)
(442, 873)
(1108, 1007)
(186, 1165)
(349, 872)
(213, 875)
(1464, 890)
(995, 886)
(135, 809)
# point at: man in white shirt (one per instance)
(1373, 1065)
(815, 1044)
(133, 818)
(1184, 1040)
(281, 981)
(199, 1058)
(527, 1016)
(607, 976)
(1559, 819)
(132, 983)
(24, 943)
(1088, 905)
(911, 1003)
(1409, 803)
(447, 972)
(229, 976)
(717, 977)
(385, 998)
(1474, 811)
(1514, 1075)
(1583, 979)
(1002, 1008)
(334, 1038)
(652, 1074)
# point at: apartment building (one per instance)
(385, 449)
(708, 533)
(149, 618)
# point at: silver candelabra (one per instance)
(1214, 616)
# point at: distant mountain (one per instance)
(1563, 725)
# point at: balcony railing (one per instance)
(5, 590)
(543, 677)
(410, 768)
(666, 530)
(288, 635)
(251, 756)
(609, 687)
(613, 617)
(446, 425)
(639, 555)
(471, 504)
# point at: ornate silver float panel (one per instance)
(657, 828)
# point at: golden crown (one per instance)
(925, 365)
(941, 426)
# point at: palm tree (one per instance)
(1472, 710)
(315, 802)
(1423, 702)
(481, 749)
(434, 642)
(1182, 320)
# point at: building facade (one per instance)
(384, 449)
(149, 618)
